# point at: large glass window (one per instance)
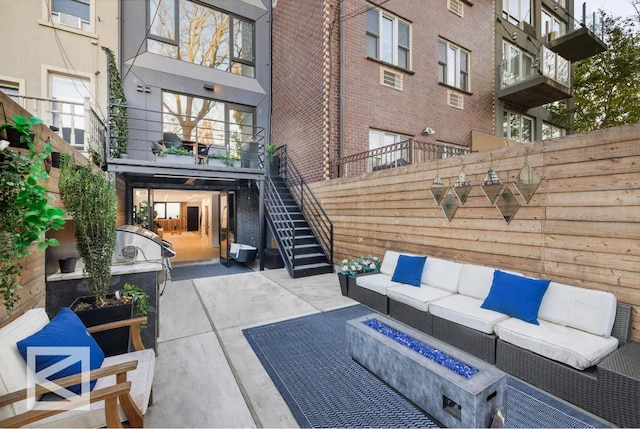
(388, 38)
(550, 131)
(67, 109)
(516, 11)
(551, 23)
(198, 34)
(379, 139)
(453, 65)
(517, 65)
(72, 13)
(206, 121)
(518, 127)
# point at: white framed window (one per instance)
(68, 94)
(199, 34)
(551, 23)
(517, 65)
(71, 13)
(516, 126)
(388, 38)
(12, 88)
(453, 65)
(379, 139)
(516, 11)
(550, 131)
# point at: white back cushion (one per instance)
(442, 274)
(475, 281)
(390, 261)
(589, 310)
(13, 368)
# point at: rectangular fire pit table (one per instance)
(453, 387)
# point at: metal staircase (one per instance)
(300, 226)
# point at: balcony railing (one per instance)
(396, 155)
(77, 123)
(548, 64)
(182, 139)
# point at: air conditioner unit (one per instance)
(69, 20)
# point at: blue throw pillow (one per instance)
(516, 296)
(409, 270)
(64, 330)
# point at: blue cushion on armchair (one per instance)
(64, 330)
(409, 270)
(516, 296)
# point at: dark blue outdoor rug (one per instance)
(214, 269)
(306, 359)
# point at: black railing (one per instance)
(281, 223)
(311, 208)
(396, 155)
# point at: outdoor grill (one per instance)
(138, 244)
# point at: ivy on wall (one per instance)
(118, 126)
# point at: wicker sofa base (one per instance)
(420, 320)
(471, 341)
(374, 300)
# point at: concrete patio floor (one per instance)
(206, 373)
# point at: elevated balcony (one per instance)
(160, 147)
(77, 123)
(577, 45)
(545, 80)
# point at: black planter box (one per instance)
(272, 259)
(114, 341)
(344, 283)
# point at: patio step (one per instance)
(312, 270)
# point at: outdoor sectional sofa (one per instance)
(579, 351)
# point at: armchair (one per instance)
(122, 392)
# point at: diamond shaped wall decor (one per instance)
(507, 204)
(449, 204)
(527, 182)
(491, 185)
(462, 187)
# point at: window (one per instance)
(67, 109)
(453, 65)
(216, 123)
(551, 23)
(379, 139)
(72, 13)
(201, 35)
(388, 38)
(517, 65)
(517, 127)
(550, 131)
(167, 210)
(516, 11)
(11, 89)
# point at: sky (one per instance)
(621, 8)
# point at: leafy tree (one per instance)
(607, 85)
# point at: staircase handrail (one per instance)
(278, 213)
(311, 208)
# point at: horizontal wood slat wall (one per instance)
(33, 275)
(581, 227)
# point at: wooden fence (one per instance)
(581, 227)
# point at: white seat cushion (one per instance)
(570, 346)
(390, 260)
(13, 368)
(376, 282)
(442, 274)
(417, 297)
(466, 311)
(141, 381)
(592, 311)
(475, 281)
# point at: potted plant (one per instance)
(273, 160)
(229, 159)
(349, 269)
(177, 155)
(26, 212)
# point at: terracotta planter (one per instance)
(112, 342)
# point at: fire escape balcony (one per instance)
(531, 84)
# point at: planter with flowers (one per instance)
(350, 269)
